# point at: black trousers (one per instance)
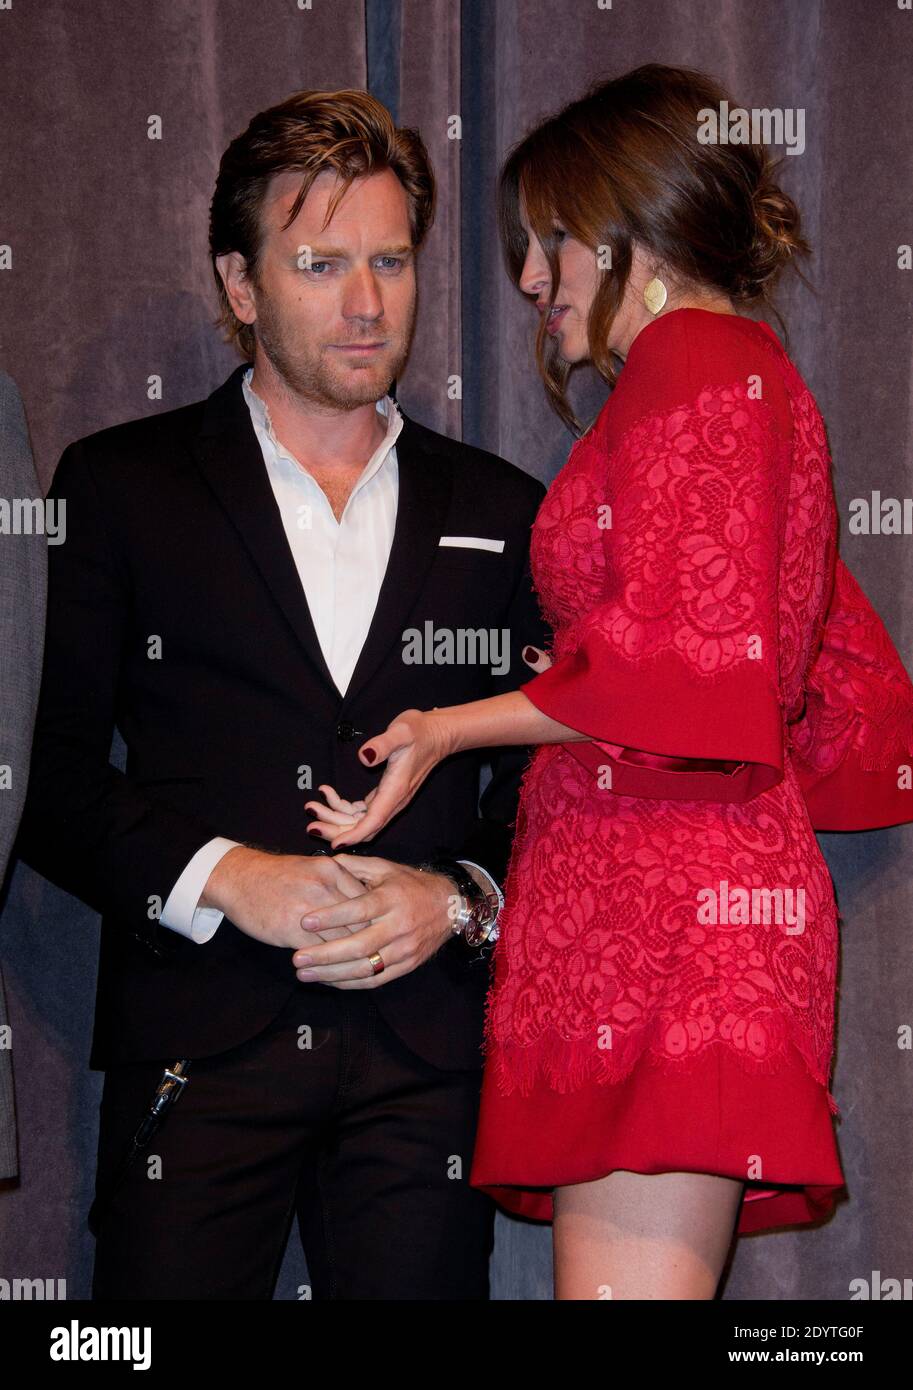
(326, 1115)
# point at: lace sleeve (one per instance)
(853, 745)
(674, 674)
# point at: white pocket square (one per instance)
(473, 543)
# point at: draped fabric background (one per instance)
(107, 284)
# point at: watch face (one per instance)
(486, 911)
(482, 916)
(474, 934)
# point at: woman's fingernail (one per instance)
(530, 654)
(369, 754)
(315, 831)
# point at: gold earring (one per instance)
(655, 295)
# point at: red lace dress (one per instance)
(665, 981)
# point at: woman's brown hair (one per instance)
(624, 164)
(348, 131)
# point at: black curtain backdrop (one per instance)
(106, 288)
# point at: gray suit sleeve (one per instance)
(23, 597)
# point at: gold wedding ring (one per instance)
(376, 962)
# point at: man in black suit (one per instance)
(249, 585)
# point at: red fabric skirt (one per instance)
(713, 1118)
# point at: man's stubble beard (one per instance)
(309, 375)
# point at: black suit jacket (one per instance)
(176, 614)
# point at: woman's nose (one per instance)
(533, 278)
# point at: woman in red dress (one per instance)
(659, 1035)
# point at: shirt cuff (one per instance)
(180, 912)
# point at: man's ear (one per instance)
(232, 268)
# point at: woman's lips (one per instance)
(556, 318)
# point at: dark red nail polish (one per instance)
(369, 754)
(529, 653)
(313, 830)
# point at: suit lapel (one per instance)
(228, 454)
(425, 485)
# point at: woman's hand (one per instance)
(536, 658)
(338, 811)
(413, 744)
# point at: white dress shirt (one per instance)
(341, 565)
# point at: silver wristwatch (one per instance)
(477, 919)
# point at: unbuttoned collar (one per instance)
(387, 407)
